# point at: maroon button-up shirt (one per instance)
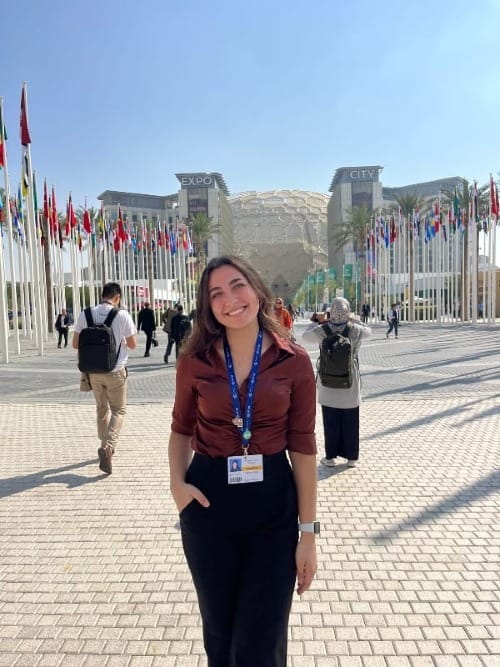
(284, 410)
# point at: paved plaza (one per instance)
(92, 572)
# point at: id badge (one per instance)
(244, 469)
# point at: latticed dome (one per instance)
(282, 233)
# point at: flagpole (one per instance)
(13, 283)
(4, 322)
(35, 269)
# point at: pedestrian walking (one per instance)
(393, 319)
(62, 327)
(244, 400)
(166, 319)
(365, 313)
(340, 406)
(110, 388)
(181, 329)
(146, 322)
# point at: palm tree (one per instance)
(409, 204)
(202, 229)
(353, 230)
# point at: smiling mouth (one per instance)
(237, 311)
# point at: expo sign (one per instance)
(196, 181)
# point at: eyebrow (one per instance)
(231, 282)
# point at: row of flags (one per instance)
(449, 219)
(94, 228)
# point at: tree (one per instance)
(354, 229)
(202, 229)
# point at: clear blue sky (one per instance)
(272, 94)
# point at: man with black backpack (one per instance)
(181, 328)
(103, 335)
(338, 381)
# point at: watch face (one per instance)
(316, 526)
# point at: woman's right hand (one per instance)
(184, 493)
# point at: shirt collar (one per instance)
(280, 347)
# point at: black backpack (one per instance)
(184, 327)
(97, 351)
(335, 359)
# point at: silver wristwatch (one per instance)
(313, 527)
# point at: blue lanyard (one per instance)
(244, 425)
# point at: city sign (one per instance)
(363, 174)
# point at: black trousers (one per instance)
(149, 340)
(393, 324)
(170, 344)
(241, 553)
(63, 333)
(341, 430)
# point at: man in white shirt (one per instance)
(110, 389)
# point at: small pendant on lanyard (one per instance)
(238, 422)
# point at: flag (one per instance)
(35, 195)
(71, 219)
(493, 197)
(173, 245)
(86, 221)
(100, 219)
(25, 177)
(46, 213)
(116, 242)
(437, 216)
(25, 133)
(476, 202)
(121, 229)
(54, 221)
(185, 241)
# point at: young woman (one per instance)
(282, 315)
(244, 395)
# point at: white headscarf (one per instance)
(340, 312)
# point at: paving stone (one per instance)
(408, 556)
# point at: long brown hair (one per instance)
(207, 329)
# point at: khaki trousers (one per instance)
(110, 392)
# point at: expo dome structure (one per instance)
(282, 233)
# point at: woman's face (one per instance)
(278, 304)
(234, 303)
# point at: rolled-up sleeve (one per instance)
(184, 414)
(302, 412)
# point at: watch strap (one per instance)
(311, 527)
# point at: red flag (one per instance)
(72, 219)
(53, 214)
(86, 222)
(493, 197)
(45, 201)
(437, 215)
(25, 133)
(121, 229)
(117, 243)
